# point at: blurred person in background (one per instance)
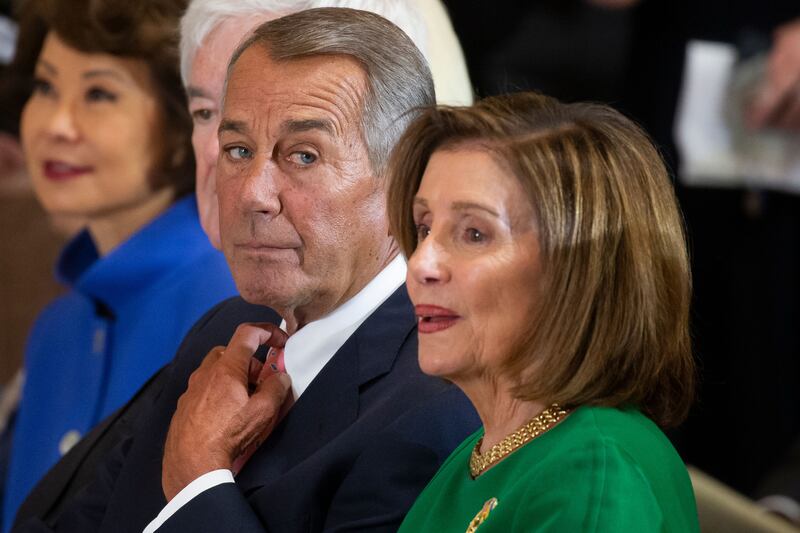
(29, 245)
(743, 222)
(548, 269)
(106, 137)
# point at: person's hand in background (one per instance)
(777, 101)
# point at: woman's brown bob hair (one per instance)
(138, 29)
(611, 327)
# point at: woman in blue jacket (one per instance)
(107, 140)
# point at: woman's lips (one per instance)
(432, 318)
(60, 171)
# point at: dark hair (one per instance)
(611, 323)
(138, 29)
(398, 78)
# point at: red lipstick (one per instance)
(61, 171)
(432, 318)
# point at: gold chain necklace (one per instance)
(536, 426)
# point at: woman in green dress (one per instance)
(549, 273)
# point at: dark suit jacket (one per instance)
(352, 454)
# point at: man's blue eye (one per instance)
(303, 158)
(238, 153)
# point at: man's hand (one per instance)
(231, 405)
(777, 101)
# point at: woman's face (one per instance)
(474, 274)
(88, 131)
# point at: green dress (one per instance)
(599, 470)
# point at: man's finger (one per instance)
(244, 343)
(278, 338)
(266, 401)
(254, 372)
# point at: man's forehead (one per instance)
(315, 92)
(210, 62)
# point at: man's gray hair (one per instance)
(399, 81)
(203, 16)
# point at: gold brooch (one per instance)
(539, 424)
(482, 515)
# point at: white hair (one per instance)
(203, 16)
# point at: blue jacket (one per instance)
(123, 319)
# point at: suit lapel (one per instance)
(330, 404)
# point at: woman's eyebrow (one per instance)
(102, 72)
(468, 206)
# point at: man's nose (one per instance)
(429, 262)
(260, 189)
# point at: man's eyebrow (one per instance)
(196, 92)
(299, 126)
(236, 126)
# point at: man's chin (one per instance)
(278, 296)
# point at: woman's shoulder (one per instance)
(613, 441)
(625, 425)
(610, 469)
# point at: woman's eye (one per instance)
(201, 115)
(474, 235)
(42, 87)
(422, 231)
(238, 153)
(96, 94)
(303, 158)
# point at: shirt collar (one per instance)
(312, 346)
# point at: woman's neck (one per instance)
(109, 230)
(498, 409)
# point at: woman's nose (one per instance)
(62, 124)
(429, 262)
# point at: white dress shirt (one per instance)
(305, 354)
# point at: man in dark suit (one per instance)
(314, 103)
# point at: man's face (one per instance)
(302, 216)
(205, 97)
